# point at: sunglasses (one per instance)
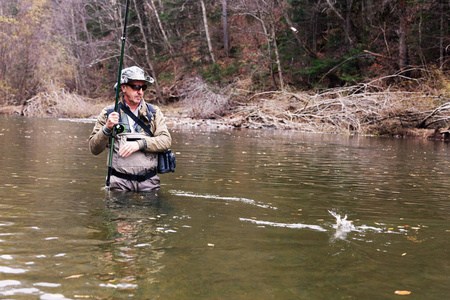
(137, 87)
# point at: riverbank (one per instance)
(355, 110)
(177, 116)
(343, 111)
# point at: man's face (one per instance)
(132, 92)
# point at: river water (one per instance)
(247, 215)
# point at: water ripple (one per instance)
(6, 224)
(4, 283)
(285, 225)
(207, 196)
(47, 284)
(20, 291)
(9, 270)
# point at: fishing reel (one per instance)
(118, 128)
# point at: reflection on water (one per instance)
(247, 215)
(132, 220)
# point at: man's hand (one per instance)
(113, 119)
(128, 148)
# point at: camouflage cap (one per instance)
(134, 73)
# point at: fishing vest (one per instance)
(140, 165)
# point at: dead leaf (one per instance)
(414, 239)
(74, 276)
(403, 293)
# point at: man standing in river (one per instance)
(135, 155)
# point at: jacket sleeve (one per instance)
(98, 140)
(162, 139)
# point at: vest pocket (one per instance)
(138, 162)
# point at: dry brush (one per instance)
(354, 109)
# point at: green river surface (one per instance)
(248, 214)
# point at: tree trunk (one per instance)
(259, 15)
(163, 32)
(348, 22)
(296, 35)
(442, 36)
(74, 41)
(402, 33)
(208, 39)
(314, 31)
(277, 56)
(226, 41)
(344, 20)
(159, 96)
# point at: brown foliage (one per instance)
(202, 102)
(61, 104)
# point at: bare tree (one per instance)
(208, 38)
(264, 13)
(442, 28)
(26, 45)
(402, 35)
(226, 37)
(152, 7)
(299, 40)
(147, 56)
(277, 57)
(346, 20)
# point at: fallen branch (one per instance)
(342, 110)
(435, 112)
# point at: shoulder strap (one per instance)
(109, 110)
(127, 111)
(150, 108)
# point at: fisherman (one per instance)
(135, 155)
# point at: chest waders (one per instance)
(166, 159)
(117, 128)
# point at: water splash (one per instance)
(342, 223)
(344, 226)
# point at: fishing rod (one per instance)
(116, 105)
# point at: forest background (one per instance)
(353, 66)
